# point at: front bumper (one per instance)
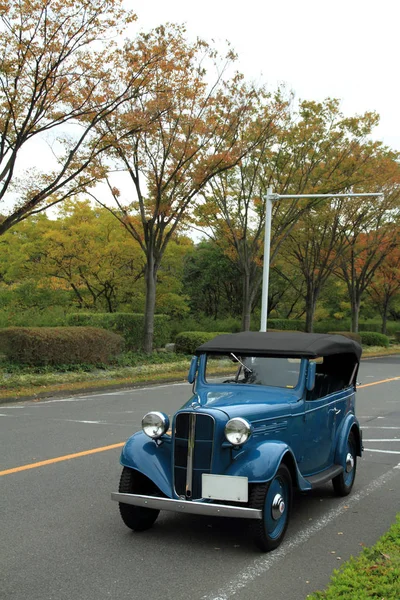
(184, 506)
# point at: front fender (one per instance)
(144, 455)
(260, 463)
(349, 424)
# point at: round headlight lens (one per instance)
(237, 431)
(155, 424)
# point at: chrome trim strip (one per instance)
(285, 416)
(325, 405)
(195, 508)
(190, 455)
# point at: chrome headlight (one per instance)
(155, 424)
(237, 431)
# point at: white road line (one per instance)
(96, 422)
(382, 451)
(382, 440)
(148, 388)
(378, 427)
(261, 565)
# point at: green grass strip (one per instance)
(375, 574)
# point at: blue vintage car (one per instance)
(269, 412)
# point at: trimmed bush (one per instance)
(371, 338)
(353, 336)
(129, 325)
(187, 341)
(286, 324)
(59, 345)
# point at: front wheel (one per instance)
(343, 483)
(274, 499)
(136, 517)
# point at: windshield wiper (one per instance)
(240, 362)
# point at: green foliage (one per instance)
(33, 317)
(188, 341)
(212, 281)
(397, 336)
(203, 323)
(129, 325)
(376, 325)
(59, 345)
(353, 336)
(374, 574)
(286, 324)
(371, 338)
(135, 359)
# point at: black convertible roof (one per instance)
(285, 343)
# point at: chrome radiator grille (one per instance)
(193, 445)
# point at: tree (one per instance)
(194, 137)
(313, 149)
(60, 76)
(385, 286)
(370, 228)
(314, 246)
(211, 282)
(84, 250)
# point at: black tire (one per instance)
(269, 531)
(343, 483)
(136, 517)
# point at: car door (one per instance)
(319, 433)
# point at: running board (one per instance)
(324, 476)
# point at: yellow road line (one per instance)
(377, 382)
(51, 461)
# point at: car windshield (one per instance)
(253, 370)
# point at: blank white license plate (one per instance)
(225, 487)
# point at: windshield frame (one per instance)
(202, 374)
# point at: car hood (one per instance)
(253, 404)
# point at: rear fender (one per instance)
(349, 424)
(260, 464)
(154, 461)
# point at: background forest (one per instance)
(154, 198)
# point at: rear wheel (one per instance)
(274, 499)
(343, 483)
(136, 517)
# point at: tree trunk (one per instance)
(311, 302)
(355, 312)
(246, 309)
(151, 280)
(385, 316)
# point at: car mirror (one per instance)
(193, 369)
(310, 382)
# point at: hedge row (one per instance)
(345, 325)
(59, 345)
(129, 325)
(286, 324)
(353, 336)
(333, 326)
(187, 341)
(371, 338)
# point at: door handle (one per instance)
(337, 411)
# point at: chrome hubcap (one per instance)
(349, 462)
(278, 507)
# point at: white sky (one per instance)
(347, 49)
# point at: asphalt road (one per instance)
(61, 537)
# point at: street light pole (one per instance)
(267, 251)
(269, 199)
